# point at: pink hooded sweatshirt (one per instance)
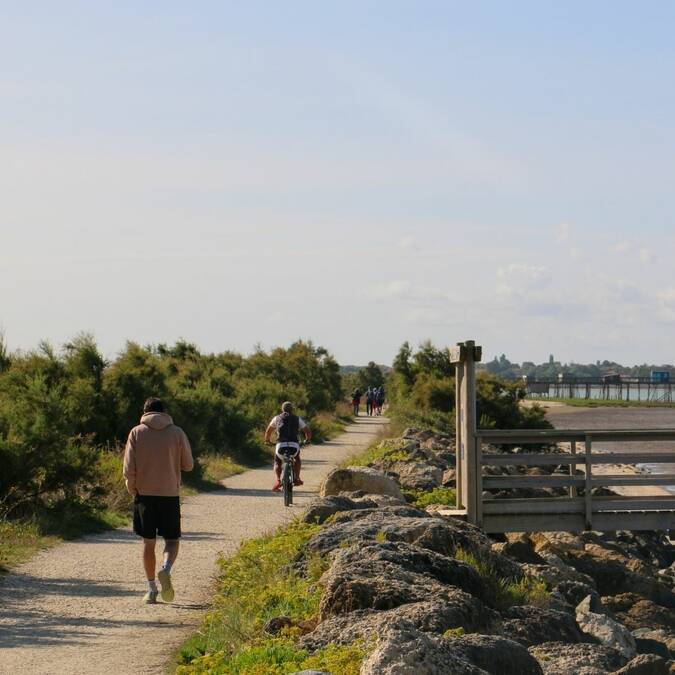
(156, 452)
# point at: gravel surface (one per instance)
(76, 608)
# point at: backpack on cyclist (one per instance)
(288, 427)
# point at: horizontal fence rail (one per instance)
(572, 512)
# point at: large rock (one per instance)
(644, 664)
(664, 637)
(519, 547)
(359, 478)
(406, 651)
(615, 573)
(530, 625)
(636, 612)
(417, 475)
(495, 654)
(574, 592)
(435, 615)
(558, 658)
(413, 526)
(606, 630)
(375, 575)
(322, 509)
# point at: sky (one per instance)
(354, 173)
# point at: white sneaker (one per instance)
(164, 579)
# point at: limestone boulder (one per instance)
(529, 625)
(416, 475)
(413, 526)
(407, 651)
(384, 575)
(359, 478)
(645, 664)
(322, 509)
(435, 615)
(637, 612)
(606, 631)
(582, 658)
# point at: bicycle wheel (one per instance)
(287, 484)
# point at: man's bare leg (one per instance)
(164, 575)
(171, 547)
(149, 560)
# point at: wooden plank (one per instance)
(506, 482)
(633, 457)
(458, 353)
(529, 459)
(633, 504)
(468, 417)
(642, 479)
(588, 477)
(570, 522)
(553, 522)
(646, 520)
(459, 454)
(479, 481)
(533, 505)
(572, 491)
(563, 435)
(558, 459)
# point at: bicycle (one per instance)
(288, 456)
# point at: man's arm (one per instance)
(308, 433)
(129, 470)
(186, 461)
(269, 431)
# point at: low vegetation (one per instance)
(65, 415)
(258, 584)
(440, 495)
(505, 592)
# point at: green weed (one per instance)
(506, 592)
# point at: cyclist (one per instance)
(287, 426)
(356, 401)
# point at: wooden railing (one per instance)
(572, 512)
(566, 513)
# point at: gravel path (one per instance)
(76, 608)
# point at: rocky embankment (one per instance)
(432, 594)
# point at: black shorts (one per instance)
(157, 515)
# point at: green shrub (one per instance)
(506, 592)
(440, 495)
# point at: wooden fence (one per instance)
(574, 471)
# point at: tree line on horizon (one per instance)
(550, 369)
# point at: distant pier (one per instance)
(602, 389)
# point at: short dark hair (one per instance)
(153, 404)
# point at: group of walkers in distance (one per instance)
(374, 400)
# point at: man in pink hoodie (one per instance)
(156, 452)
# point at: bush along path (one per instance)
(76, 608)
(375, 581)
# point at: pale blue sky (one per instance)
(358, 173)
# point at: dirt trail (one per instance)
(77, 608)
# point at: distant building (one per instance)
(660, 376)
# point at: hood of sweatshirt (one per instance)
(156, 420)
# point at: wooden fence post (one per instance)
(459, 441)
(464, 356)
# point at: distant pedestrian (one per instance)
(156, 453)
(370, 398)
(379, 399)
(356, 401)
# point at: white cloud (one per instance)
(562, 232)
(645, 255)
(516, 278)
(402, 290)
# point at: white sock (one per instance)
(152, 585)
(167, 566)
